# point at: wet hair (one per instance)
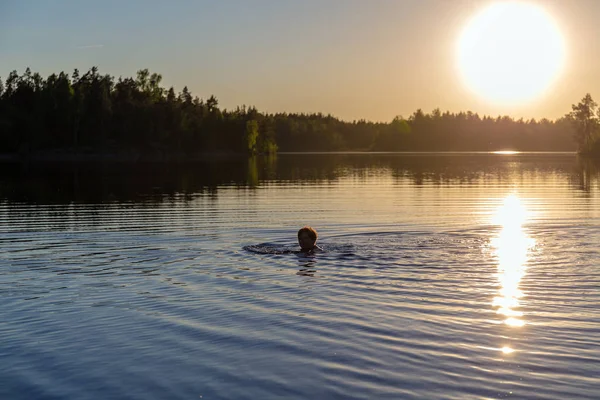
(310, 231)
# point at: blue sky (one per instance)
(352, 58)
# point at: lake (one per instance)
(443, 276)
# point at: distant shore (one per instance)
(134, 156)
(131, 156)
(92, 116)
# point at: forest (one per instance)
(95, 113)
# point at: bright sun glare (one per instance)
(510, 52)
(512, 248)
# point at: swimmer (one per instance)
(307, 239)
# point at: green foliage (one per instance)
(251, 136)
(94, 112)
(267, 136)
(394, 136)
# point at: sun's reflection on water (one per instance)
(511, 247)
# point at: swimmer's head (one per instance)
(307, 238)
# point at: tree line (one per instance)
(92, 112)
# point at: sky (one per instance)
(354, 59)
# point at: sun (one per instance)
(510, 52)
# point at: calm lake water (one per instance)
(444, 276)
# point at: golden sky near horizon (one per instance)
(351, 58)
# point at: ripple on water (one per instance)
(144, 300)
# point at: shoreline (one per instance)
(160, 157)
(118, 157)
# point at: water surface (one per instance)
(450, 276)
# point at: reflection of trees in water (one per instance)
(155, 182)
(437, 169)
(97, 183)
(260, 168)
(57, 183)
(252, 177)
(587, 174)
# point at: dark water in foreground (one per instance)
(462, 276)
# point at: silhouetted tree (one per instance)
(585, 120)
